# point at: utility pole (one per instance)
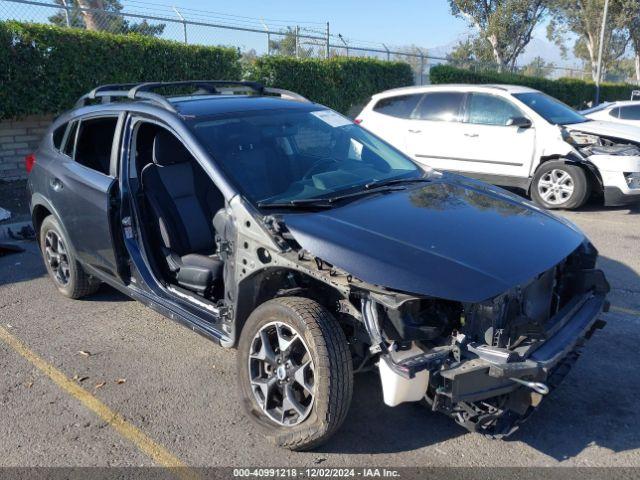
(327, 51)
(599, 69)
(421, 66)
(297, 41)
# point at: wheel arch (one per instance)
(273, 282)
(41, 208)
(592, 172)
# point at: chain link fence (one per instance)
(252, 37)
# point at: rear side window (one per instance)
(486, 109)
(440, 107)
(630, 113)
(615, 112)
(400, 106)
(70, 141)
(58, 136)
(95, 140)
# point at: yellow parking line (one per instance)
(158, 453)
(625, 310)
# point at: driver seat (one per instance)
(182, 203)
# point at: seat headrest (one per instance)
(168, 150)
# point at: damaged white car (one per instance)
(511, 136)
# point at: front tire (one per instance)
(65, 271)
(560, 185)
(295, 372)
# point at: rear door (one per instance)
(85, 190)
(490, 145)
(432, 133)
(389, 117)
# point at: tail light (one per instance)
(357, 121)
(29, 162)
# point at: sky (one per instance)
(421, 22)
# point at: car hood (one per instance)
(454, 238)
(608, 129)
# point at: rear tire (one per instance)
(560, 185)
(322, 405)
(67, 274)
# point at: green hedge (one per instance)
(572, 91)
(339, 83)
(44, 69)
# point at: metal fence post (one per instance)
(421, 65)
(268, 36)
(66, 13)
(297, 41)
(328, 52)
(184, 24)
(388, 53)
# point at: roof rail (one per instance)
(144, 91)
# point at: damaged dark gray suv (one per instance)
(267, 222)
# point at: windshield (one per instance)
(277, 156)
(552, 110)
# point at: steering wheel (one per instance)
(316, 166)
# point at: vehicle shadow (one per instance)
(28, 265)
(594, 406)
(594, 204)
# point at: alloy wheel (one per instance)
(556, 187)
(55, 253)
(282, 374)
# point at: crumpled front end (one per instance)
(617, 161)
(488, 364)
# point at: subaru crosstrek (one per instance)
(267, 222)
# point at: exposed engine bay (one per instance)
(485, 364)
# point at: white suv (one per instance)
(511, 136)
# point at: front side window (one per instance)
(630, 113)
(552, 110)
(277, 156)
(94, 143)
(485, 109)
(400, 106)
(615, 112)
(440, 107)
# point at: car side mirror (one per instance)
(520, 122)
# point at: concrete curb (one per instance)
(15, 228)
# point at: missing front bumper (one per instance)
(481, 395)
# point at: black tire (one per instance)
(333, 375)
(77, 283)
(543, 183)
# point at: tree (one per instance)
(583, 18)
(631, 16)
(471, 53)
(506, 25)
(287, 45)
(538, 68)
(101, 15)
